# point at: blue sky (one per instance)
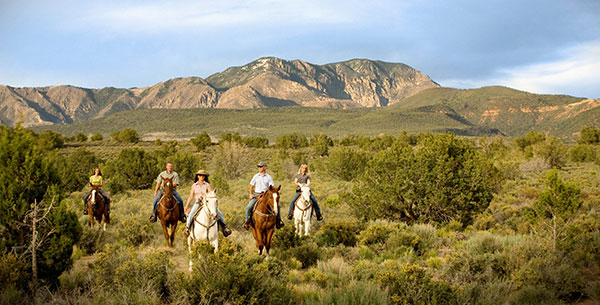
(550, 46)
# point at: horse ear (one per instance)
(214, 190)
(279, 188)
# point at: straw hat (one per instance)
(202, 173)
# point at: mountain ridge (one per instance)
(265, 82)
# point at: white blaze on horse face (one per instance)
(275, 203)
(305, 193)
(93, 195)
(212, 203)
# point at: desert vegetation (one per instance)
(409, 219)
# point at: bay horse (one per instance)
(265, 217)
(303, 211)
(204, 225)
(168, 211)
(96, 206)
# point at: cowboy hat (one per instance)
(202, 173)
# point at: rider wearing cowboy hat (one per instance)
(199, 189)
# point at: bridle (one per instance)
(209, 213)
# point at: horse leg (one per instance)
(190, 241)
(307, 226)
(298, 226)
(165, 232)
(91, 213)
(269, 236)
(173, 230)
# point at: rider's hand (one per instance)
(250, 196)
(155, 193)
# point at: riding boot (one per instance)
(319, 216)
(226, 231)
(291, 214)
(279, 224)
(247, 223)
(153, 216)
(107, 205)
(85, 211)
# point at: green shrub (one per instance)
(256, 142)
(81, 137)
(376, 234)
(202, 141)
(91, 240)
(335, 233)
(291, 141)
(533, 295)
(583, 153)
(589, 135)
(234, 277)
(286, 238)
(185, 164)
(77, 169)
(49, 140)
(529, 139)
(410, 284)
(232, 159)
(307, 253)
(97, 137)
(135, 230)
(553, 151)
(320, 144)
(132, 169)
(347, 163)
(126, 135)
(444, 178)
(355, 292)
(13, 271)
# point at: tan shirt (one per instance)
(200, 190)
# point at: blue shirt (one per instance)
(261, 183)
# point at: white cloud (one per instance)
(576, 73)
(160, 16)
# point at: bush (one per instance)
(286, 238)
(355, 292)
(233, 277)
(49, 140)
(589, 135)
(553, 151)
(135, 230)
(132, 169)
(126, 135)
(583, 153)
(335, 233)
(97, 137)
(77, 169)
(13, 271)
(320, 144)
(308, 254)
(232, 159)
(256, 142)
(376, 234)
(202, 141)
(410, 284)
(347, 163)
(529, 139)
(185, 164)
(443, 179)
(291, 141)
(81, 137)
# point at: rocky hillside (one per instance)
(266, 82)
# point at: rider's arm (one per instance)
(101, 182)
(296, 182)
(251, 189)
(189, 199)
(307, 181)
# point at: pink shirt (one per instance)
(199, 190)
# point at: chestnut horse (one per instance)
(168, 211)
(96, 206)
(265, 217)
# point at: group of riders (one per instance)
(258, 185)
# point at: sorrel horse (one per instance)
(204, 225)
(303, 211)
(168, 211)
(265, 217)
(96, 205)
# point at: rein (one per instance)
(272, 213)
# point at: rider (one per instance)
(197, 192)
(96, 179)
(258, 185)
(168, 173)
(303, 177)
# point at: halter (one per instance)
(301, 209)
(208, 213)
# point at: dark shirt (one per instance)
(302, 179)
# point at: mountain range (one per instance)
(266, 82)
(372, 96)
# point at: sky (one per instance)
(539, 46)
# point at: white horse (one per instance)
(204, 226)
(303, 211)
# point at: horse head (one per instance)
(211, 202)
(167, 184)
(275, 193)
(95, 191)
(305, 193)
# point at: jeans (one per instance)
(251, 206)
(312, 198)
(101, 193)
(195, 208)
(176, 197)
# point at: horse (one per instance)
(265, 217)
(303, 211)
(168, 211)
(96, 206)
(204, 225)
